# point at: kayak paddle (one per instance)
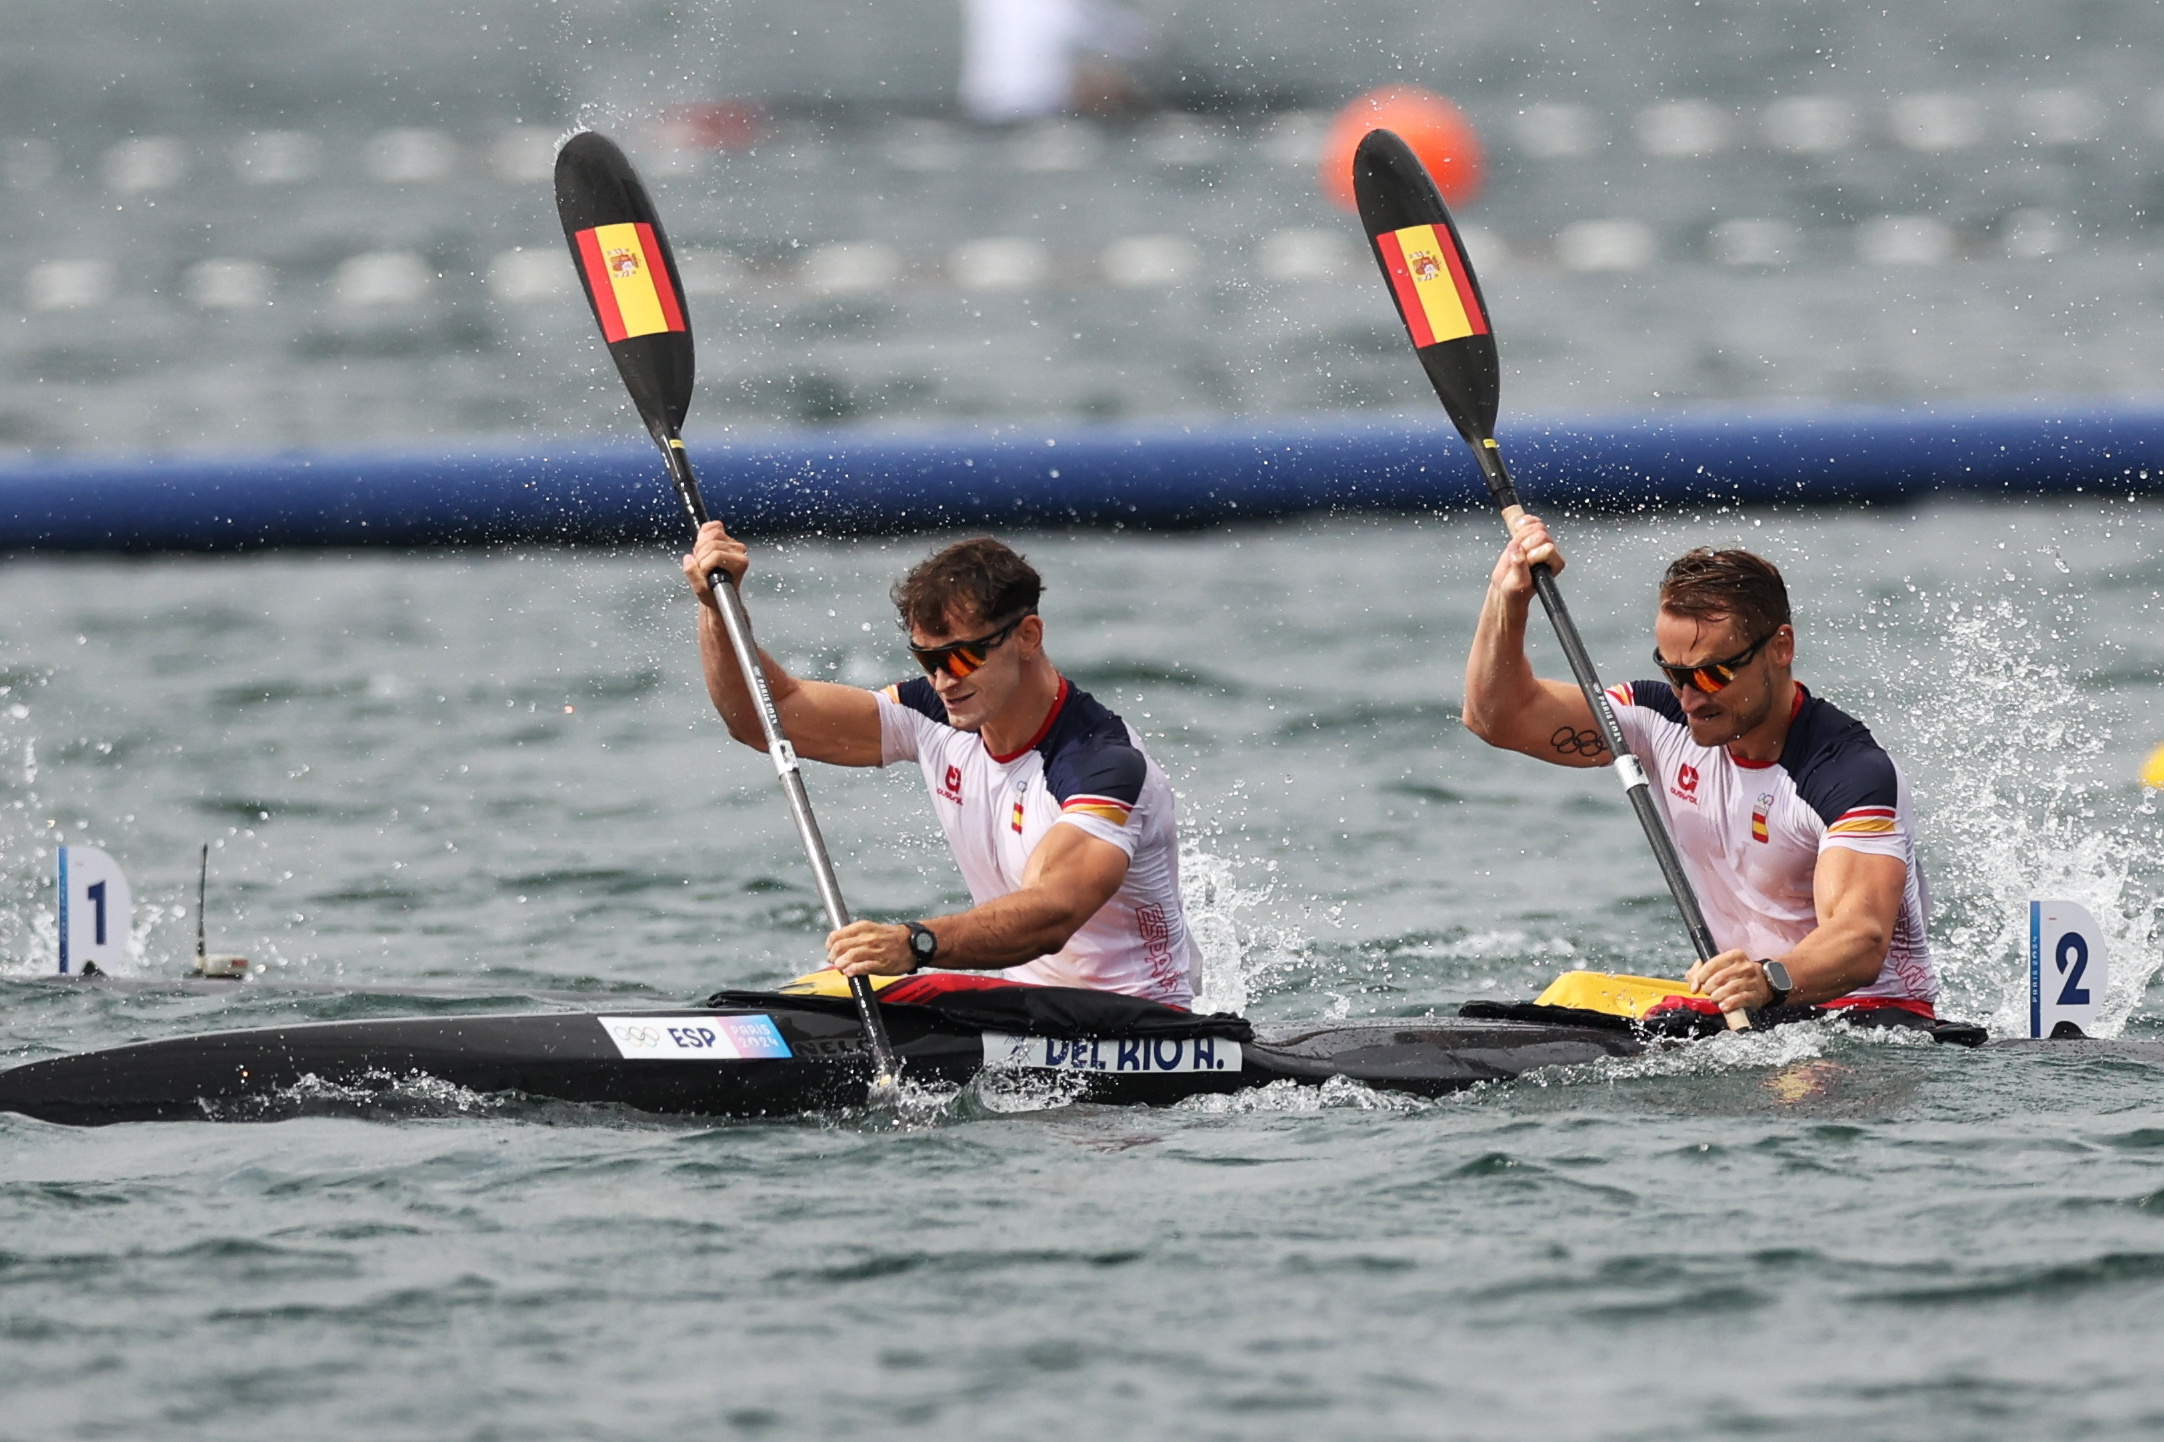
(1438, 297)
(629, 273)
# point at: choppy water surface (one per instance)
(497, 771)
(247, 224)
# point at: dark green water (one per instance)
(1799, 1235)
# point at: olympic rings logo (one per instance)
(1571, 741)
(638, 1035)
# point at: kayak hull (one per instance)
(818, 1063)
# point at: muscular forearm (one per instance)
(1005, 931)
(1499, 679)
(1845, 953)
(725, 680)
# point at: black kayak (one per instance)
(764, 1054)
(770, 1054)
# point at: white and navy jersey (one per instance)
(1750, 832)
(1086, 769)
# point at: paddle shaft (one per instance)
(1636, 786)
(737, 623)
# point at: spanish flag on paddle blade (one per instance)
(629, 282)
(1433, 284)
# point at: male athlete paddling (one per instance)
(1063, 828)
(1794, 824)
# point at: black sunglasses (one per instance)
(1711, 676)
(963, 657)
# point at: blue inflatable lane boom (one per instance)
(547, 490)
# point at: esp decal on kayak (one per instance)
(696, 1038)
(1112, 1054)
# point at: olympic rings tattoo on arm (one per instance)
(1570, 741)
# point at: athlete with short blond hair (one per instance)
(1796, 827)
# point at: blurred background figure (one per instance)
(1029, 59)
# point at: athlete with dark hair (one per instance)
(1794, 824)
(1063, 827)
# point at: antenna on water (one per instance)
(223, 968)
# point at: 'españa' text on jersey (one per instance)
(1086, 769)
(1750, 832)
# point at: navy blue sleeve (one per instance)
(1098, 767)
(917, 694)
(1858, 776)
(1658, 697)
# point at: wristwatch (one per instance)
(1777, 978)
(923, 946)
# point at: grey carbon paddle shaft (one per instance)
(1635, 784)
(737, 623)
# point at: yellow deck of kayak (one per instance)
(1609, 992)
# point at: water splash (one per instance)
(2008, 751)
(1292, 1098)
(1241, 955)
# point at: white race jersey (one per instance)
(1084, 768)
(1750, 832)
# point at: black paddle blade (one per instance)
(1437, 294)
(629, 272)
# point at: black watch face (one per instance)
(923, 943)
(1777, 977)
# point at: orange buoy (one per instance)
(1437, 131)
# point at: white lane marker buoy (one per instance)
(408, 156)
(225, 284)
(523, 155)
(710, 272)
(95, 909)
(521, 275)
(1296, 138)
(68, 285)
(1764, 243)
(1682, 128)
(1484, 249)
(278, 157)
(1143, 262)
(925, 146)
(999, 262)
(1936, 121)
(2061, 117)
(1057, 145)
(2067, 970)
(1808, 124)
(29, 163)
(1178, 141)
(378, 278)
(1604, 245)
(1306, 255)
(849, 268)
(1904, 240)
(2032, 234)
(1556, 132)
(146, 162)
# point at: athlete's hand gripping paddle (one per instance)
(629, 272)
(1438, 297)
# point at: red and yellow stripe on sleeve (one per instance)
(629, 281)
(1433, 285)
(1864, 821)
(1104, 808)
